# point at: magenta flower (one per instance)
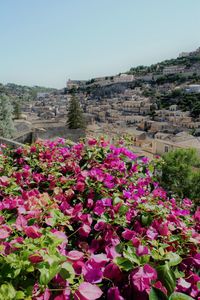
(92, 142)
(142, 277)
(197, 215)
(4, 181)
(113, 272)
(87, 291)
(160, 286)
(92, 273)
(85, 206)
(5, 232)
(32, 232)
(114, 294)
(183, 285)
(142, 250)
(128, 234)
(35, 258)
(80, 186)
(151, 233)
(84, 230)
(163, 229)
(75, 255)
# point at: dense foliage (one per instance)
(88, 221)
(23, 92)
(181, 173)
(158, 68)
(185, 102)
(75, 118)
(6, 117)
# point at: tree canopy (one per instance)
(181, 173)
(75, 114)
(6, 117)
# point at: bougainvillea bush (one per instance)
(88, 221)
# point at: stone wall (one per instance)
(10, 143)
(25, 137)
(59, 132)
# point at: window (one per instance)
(166, 149)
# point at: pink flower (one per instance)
(88, 291)
(32, 232)
(128, 234)
(37, 295)
(152, 233)
(92, 142)
(111, 252)
(60, 235)
(142, 250)
(100, 225)
(183, 285)
(135, 242)
(35, 258)
(64, 296)
(187, 202)
(163, 229)
(141, 277)
(80, 186)
(75, 255)
(84, 230)
(78, 266)
(197, 215)
(160, 286)
(21, 222)
(106, 202)
(99, 259)
(4, 181)
(92, 273)
(5, 232)
(114, 294)
(90, 203)
(113, 272)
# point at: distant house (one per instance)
(193, 88)
(75, 83)
(124, 78)
(42, 95)
(180, 140)
(184, 54)
(173, 70)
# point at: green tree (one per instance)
(181, 173)
(75, 114)
(17, 108)
(6, 117)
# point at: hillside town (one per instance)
(130, 103)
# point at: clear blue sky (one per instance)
(44, 42)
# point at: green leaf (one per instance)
(119, 248)
(30, 268)
(19, 295)
(7, 291)
(157, 294)
(146, 219)
(174, 259)
(46, 275)
(130, 255)
(67, 272)
(123, 209)
(178, 273)
(167, 277)
(124, 263)
(117, 200)
(180, 296)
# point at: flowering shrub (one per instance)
(87, 221)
